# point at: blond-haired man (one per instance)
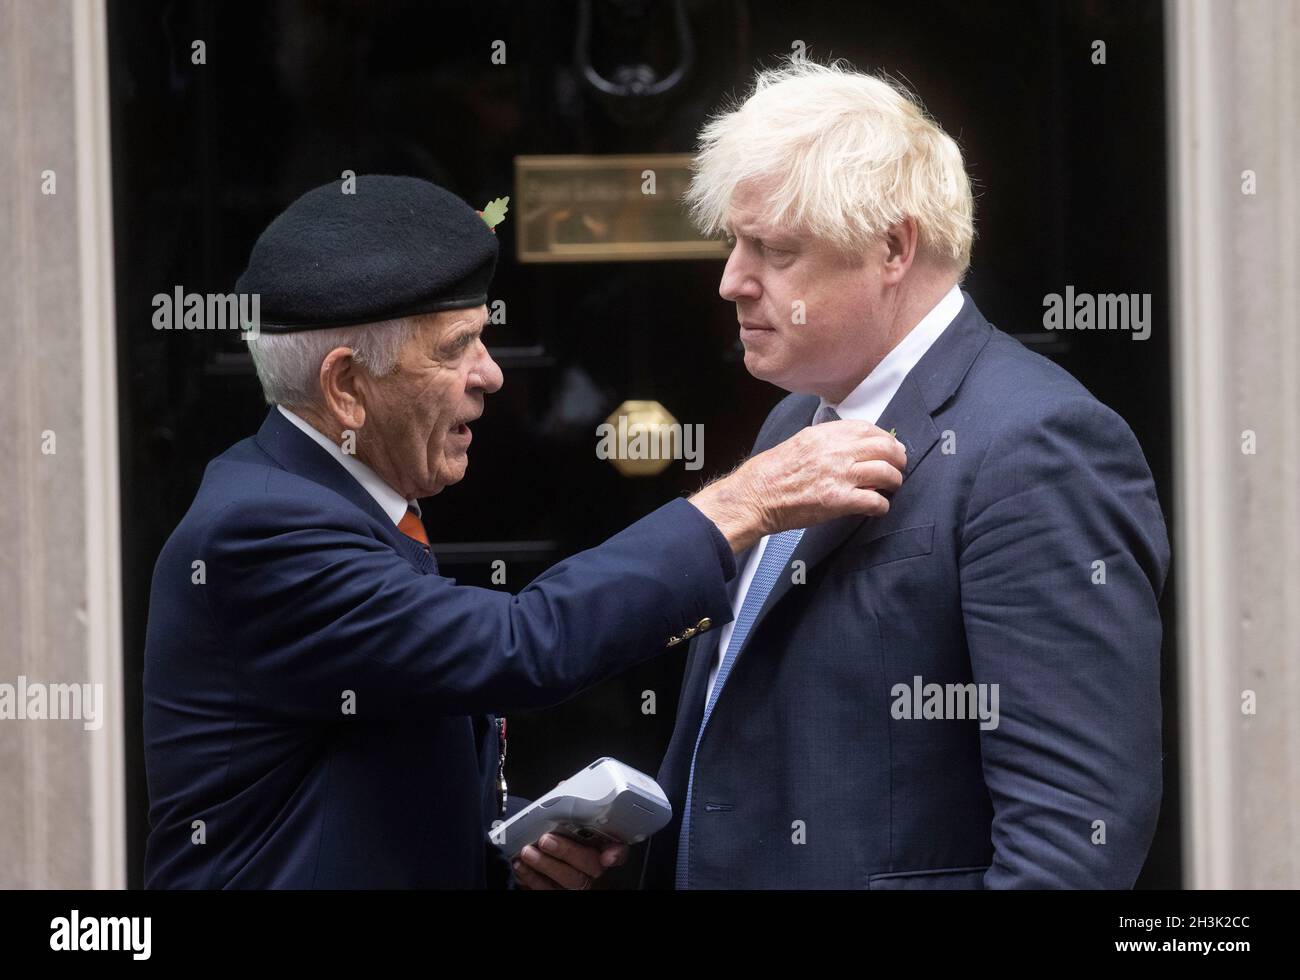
(944, 696)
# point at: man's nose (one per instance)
(487, 374)
(738, 281)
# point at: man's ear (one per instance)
(341, 392)
(901, 241)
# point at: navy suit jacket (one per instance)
(286, 595)
(1017, 481)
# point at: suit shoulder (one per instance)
(1030, 416)
(1018, 387)
(1006, 361)
(244, 493)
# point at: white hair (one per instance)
(839, 154)
(288, 364)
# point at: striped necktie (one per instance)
(775, 559)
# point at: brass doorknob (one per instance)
(640, 438)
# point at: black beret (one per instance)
(398, 246)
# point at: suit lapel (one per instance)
(906, 414)
(295, 452)
(910, 414)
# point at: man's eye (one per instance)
(458, 346)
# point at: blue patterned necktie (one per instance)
(776, 556)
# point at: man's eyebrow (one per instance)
(765, 236)
(463, 331)
(749, 229)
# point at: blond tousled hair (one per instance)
(843, 155)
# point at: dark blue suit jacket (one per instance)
(307, 596)
(1017, 481)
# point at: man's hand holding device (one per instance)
(571, 835)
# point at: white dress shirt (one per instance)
(390, 501)
(866, 403)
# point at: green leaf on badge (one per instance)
(495, 211)
(893, 433)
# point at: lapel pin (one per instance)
(494, 212)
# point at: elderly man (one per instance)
(964, 692)
(318, 699)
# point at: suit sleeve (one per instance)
(317, 615)
(1073, 767)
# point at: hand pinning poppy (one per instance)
(494, 212)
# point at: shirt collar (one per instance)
(392, 502)
(868, 401)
